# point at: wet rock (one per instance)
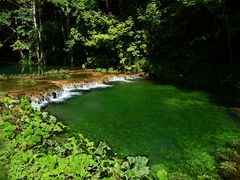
(49, 90)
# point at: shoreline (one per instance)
(68, 90)
(45, 90)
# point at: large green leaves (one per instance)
(31, 149)
(5, 18)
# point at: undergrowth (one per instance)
(31, 148)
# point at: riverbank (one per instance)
(159, 109)
(32, 147)
(44, 88)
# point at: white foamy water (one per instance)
(71, 90)
(119, 79)
(83, 88)
(100, 85)
(67, 92)
(65, 95)
(55, 97)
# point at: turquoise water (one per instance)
(162, 122)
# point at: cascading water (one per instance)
(75, 89)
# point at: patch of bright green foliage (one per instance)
(229, 158)
(32, 148)
(109, 70)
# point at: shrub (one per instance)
(229, 160)
(32, 148)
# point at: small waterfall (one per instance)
(66, 92)
(119, 79)
(96, 85)
(125, 78)
(70, 90)
(64, 96)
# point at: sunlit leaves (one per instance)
(229, 159)
(120, 37)
(152, 15)
(136, 167)
(5, 18)
(7, 129)
(31, 149)
(18, 45)
(162, 174)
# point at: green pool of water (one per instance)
(164, 123)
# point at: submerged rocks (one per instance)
(68, 88)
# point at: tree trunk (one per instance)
(37, 28)
(42, 56)
(70, 53)
(23, 66)
(22, 56)
(71, 60)
(107, 6)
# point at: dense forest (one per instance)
(172, 123)
(190, 41)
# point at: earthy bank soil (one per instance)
(36, 85)
(40, 85)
